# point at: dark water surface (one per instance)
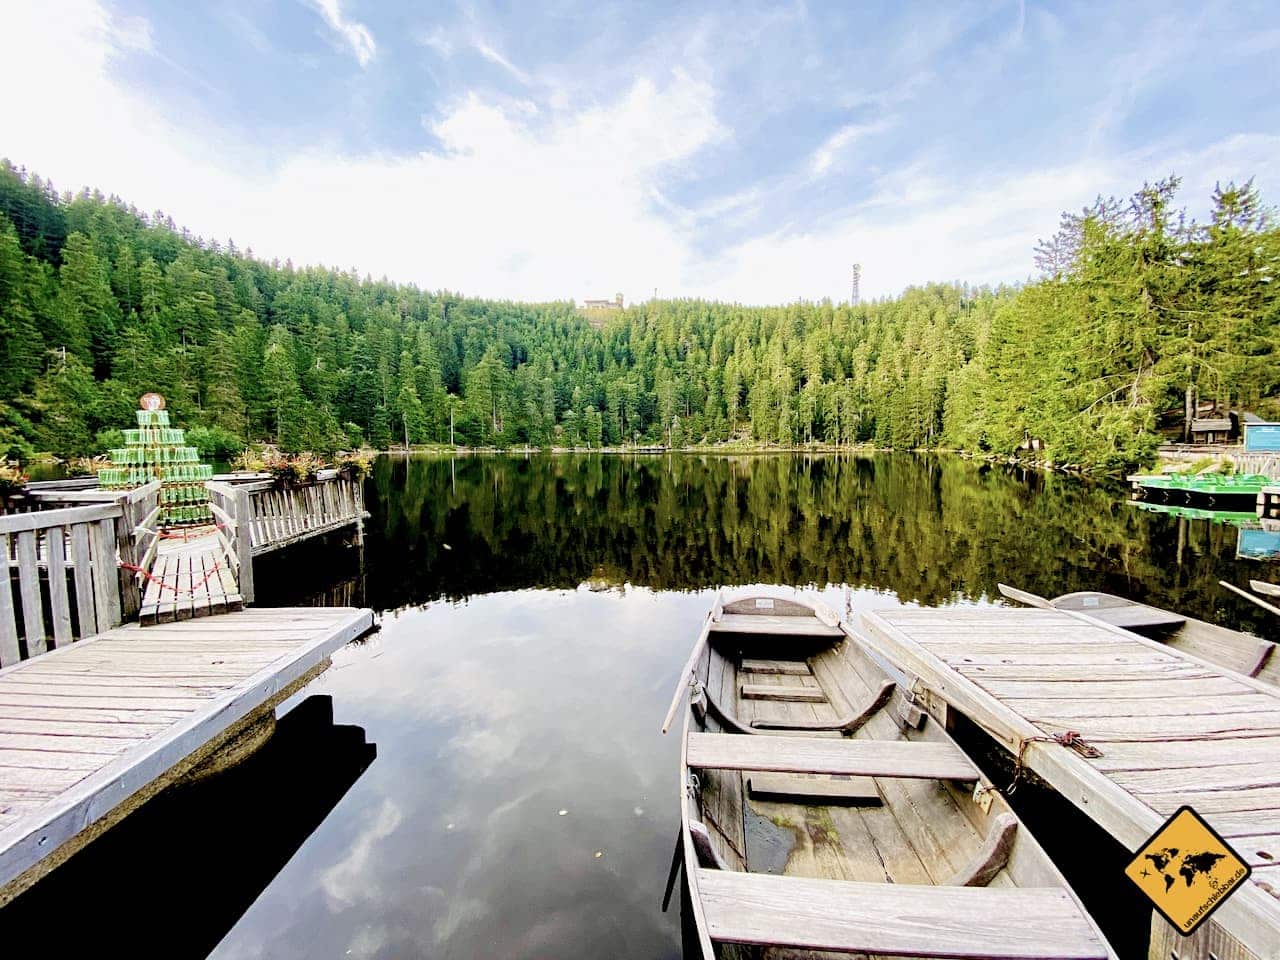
(535, 613)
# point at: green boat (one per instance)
(1235, 517)
(1190, 487)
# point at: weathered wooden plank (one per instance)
(1064, 674)
(12, 717)
(872, 758)
(1216, 801)
(1259, 850)
(1244, 823)
(820, 790)
(105, 602)
(9, 650)
(1045, 654)
(33, 782)
(789, 668)
(1177, 754)
(1233, 776)
(198, 666)
(895, 919)
(29, 590)
(42, 519)
(1087, 690)
(59, 602)
(65, 741)
(50, 760)
(773, 625)
(55, 682)
(1203, 705)
(1157, 728)
(801, 693)
(108, 700)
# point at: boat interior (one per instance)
(826, 811)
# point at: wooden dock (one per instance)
(93, 729)
(188, 578)
(1170, 729)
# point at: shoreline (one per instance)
(731, 449)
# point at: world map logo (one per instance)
(1187, 870)
(1192, 865)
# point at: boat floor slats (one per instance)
(850, 791)
(796, 692)
(896, 919)
(74, 746)
(772, 624)
(870, 758)
(789, 668)
(1204, 737)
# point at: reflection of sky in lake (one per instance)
(490, 717)
(493, 714)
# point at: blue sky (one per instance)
(562, 150)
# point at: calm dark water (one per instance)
(534, 615)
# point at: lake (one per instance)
(484, 776)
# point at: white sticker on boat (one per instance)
(764, 604)
(1090, 602)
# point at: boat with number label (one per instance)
(1233, 649)
(823, 810)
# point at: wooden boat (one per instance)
(1264, 588)
(822, 810)
(1233, 649)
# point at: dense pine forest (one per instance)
(1138, 311)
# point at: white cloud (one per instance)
(493, 56)
(548, 200)
(826, 155)
(348, 880)
(353, 33)
(437, 40)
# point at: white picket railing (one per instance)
(69, 567)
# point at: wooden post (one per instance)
(127, 543)
(243, 512)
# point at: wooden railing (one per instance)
(74, 566)
(257, 517)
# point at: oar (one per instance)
(1264, 588)
(677, 858)
(687, 672)
(1030, 599)
(1250, 597)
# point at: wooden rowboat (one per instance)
(1233, 649)
(821, 810)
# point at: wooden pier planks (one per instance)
(86, 727)
(1188, 732)
(190, 578)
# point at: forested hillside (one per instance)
(1137, 306)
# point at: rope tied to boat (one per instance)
(1068, 738)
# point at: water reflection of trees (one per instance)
(929, 529)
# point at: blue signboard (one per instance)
(1262, 436)
(1258, 545)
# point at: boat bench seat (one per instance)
(870, 758)
(799, 693)
(773, 624)
(892, 919)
